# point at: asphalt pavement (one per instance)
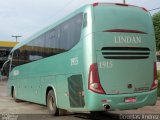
(10, 110)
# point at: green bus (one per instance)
(101, 57)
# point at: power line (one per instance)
(61, 9)
(58, 12)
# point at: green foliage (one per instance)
(156, 23)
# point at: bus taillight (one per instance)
(155, 81)
(95, 4)
(93, 80)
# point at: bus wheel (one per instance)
(62, 112)
(51, 103)
(14, 96)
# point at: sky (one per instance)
(26, 17)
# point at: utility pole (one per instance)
(124, 1)
(16, 36)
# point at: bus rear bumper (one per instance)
(117, 102)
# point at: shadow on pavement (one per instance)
(98, 116)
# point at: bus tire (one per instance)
(14, 96)
(62, 112)
(51, 103)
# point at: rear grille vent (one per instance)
(125, 52)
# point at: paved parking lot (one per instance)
(8, 106)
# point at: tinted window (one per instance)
(16, 59)
(57, 40)
(70, 32)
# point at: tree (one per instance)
(156, 23)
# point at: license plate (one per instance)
(130, 100)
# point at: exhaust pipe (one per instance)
(106, 107)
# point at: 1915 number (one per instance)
(106, 64)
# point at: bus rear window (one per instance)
(109, 17)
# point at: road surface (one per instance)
(26, 110)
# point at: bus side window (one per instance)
(85, 20)
(15, 59)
